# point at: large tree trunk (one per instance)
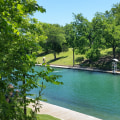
(114, 55)
(54, 55)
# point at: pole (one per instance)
(73, 57)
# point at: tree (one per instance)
(115, 11)
(97, 30)
(88, 35)
(79, 34)
(112, 37)
(83, 33)
(55, 38)
(70, 35)
(111, 31)
(82, 28)
(95, 38)
(93, 55)
(18, 34)
(42, 43)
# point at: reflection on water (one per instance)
(93, 93)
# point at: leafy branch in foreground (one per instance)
(19, 37)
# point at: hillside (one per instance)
(66, 58)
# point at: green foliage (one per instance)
(115, 11)
(79, 59)
(103, 32)
(112, 36)
(108, 29)
(19, 37)
(70, 35)
(93, 54)
(42, 116)
(55, 41)
(82, 28)
(70, 32)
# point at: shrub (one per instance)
(79, 59)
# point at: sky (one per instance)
(61, 11)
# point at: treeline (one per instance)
(91, 37)
(86, 37)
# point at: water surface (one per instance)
(92, 93)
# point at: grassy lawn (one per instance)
(106, 51)
(42, 116)
(46, 117)
(64, 58)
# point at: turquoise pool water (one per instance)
(92, 93)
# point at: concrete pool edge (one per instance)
(84, 69)
(62, 113)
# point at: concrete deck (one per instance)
(62, 113)
(85, 69)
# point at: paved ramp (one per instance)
(62, 113)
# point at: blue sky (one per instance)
(60, 11)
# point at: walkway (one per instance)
(62, 113)
(85, 69)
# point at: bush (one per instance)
(79, 59)
(93, 54)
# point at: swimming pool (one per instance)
(92, 93)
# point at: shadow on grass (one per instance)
(42, 54)
(53, 60)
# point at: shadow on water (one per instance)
(53, 60)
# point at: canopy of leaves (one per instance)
(101, 33)
(19, 35)
(55, 38)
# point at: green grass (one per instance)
(42, 116)
(106, 51)
(46, 117)
(64, 58)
